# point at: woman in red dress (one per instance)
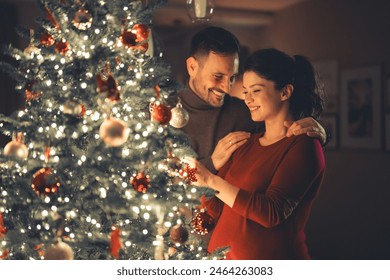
(265, 191)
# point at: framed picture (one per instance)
(329, 76)
(360, 108)
(387, 129)
(330, 123)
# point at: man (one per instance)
(219, 123)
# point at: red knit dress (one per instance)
(278, 184)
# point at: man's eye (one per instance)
(218, 77)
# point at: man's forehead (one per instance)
(224, 64)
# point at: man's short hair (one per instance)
(214, 39)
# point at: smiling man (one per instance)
(219, 123)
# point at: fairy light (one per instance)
(146, 216)
(167, 224)
(48, 83)
(103, 192)
(145, 231)
(97, 31)
(136, 210)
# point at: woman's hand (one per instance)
(202, 174)
(226, 146)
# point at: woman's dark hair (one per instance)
(274, 65)
(215, 39)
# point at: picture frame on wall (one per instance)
(361, 108)
(328, 71)
(330, 123)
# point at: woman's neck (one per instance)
(275, 130)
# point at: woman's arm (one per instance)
(302, 168)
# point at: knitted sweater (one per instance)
(207, 124)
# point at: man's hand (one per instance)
(226, 146)
(307, 126)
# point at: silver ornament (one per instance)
(180, 116)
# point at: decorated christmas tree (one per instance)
(95, 166)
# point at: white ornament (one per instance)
(180, 116)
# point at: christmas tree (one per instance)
(95, 166)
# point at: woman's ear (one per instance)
(192, 66)
(287, 92)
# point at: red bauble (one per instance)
(202, 223)
(45, 182)
(30, 94)
(128, 38)
(3, 229)
(160, 113)
(142, 31)
(108, 87)
(140, 182)
(62, 47)
(47, 40)
(179, 234)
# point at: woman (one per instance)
(266, 190)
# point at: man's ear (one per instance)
(192, 66)
(287, 92)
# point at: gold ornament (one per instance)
(114, 132)
(17, 149)
(58, 251)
